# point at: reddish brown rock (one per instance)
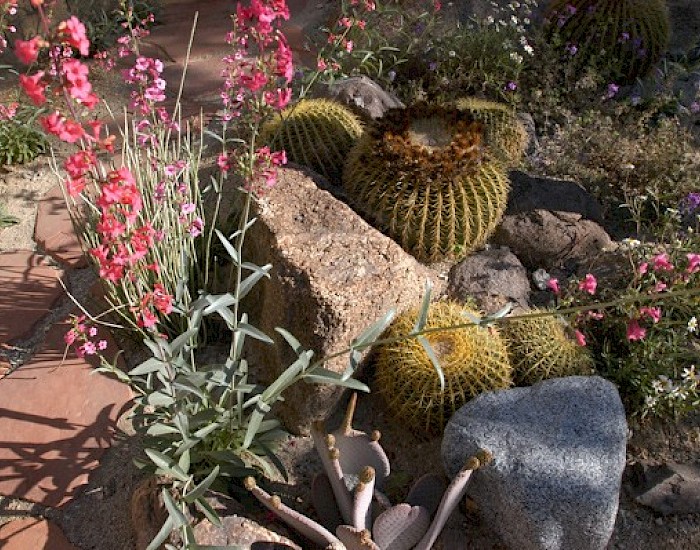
(56, 421)
(53, 231)
(30, 288)
(33, 534)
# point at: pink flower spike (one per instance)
(634, 331)
(553, 285)
(589, 284)
(661, 263)
(580, 338)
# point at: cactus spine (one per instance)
(504, 135)
(421, 176)
(473, 359)
(540, 348)
(317, 133)
(621, 38)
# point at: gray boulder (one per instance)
(363, 95)
(333, 275)
(559, 455)
(492, 277)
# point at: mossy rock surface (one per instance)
(473, 359)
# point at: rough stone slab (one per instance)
(559, 454)
(333, 276)
(29, 287)
(674, 489)
(240, 532)
(56, 421)
(33, 534)
(53, 231)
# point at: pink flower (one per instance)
(27, 51)
(188, 208)
(643, 268)
(88, 348)
(580, 338)
(589, 284)
(553, 285)
(69, 337)
(102, 345)
(693, 262)
(34, 87)
(74, 33)
(661, 263)
(634, 331)
(321, 65)
(660, 286)
(654, 313)
(147, 318)
(283, 57)
(75, 186)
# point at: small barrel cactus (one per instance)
(504, 135)
(317, 133)
(421, 175)
(622, 39)
(473, 359)
(540, 348)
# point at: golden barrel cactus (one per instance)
(422, 176)
(540, 348)
(473, 359)
(504, 135)
(317, 133)
(623, 39)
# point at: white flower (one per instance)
(528, 49)
(631, 243)
(693, 324)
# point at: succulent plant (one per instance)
(421, 176)
(504, 135)
(621, 38)
(346, 492)
(317, 133)
(540, 348)
(473, 360)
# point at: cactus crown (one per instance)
(434, 140)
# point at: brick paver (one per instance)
(33, 534)
(29, 288)
(56, 421)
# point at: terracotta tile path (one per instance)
(56, 420)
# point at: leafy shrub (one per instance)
(647, 341)
(20, 140)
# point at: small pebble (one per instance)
(659, 521)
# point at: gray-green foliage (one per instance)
(20, 140)
(206, 422)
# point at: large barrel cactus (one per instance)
(540, 348)
(422, 176)
(504, 135)
(317, 133)
(623, 39)
(473, 359)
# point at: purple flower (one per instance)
(695, 107)
(624, 37)
(511, 86)
(691, 202)
(572, 49)
(612, 90)
(432, 65)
